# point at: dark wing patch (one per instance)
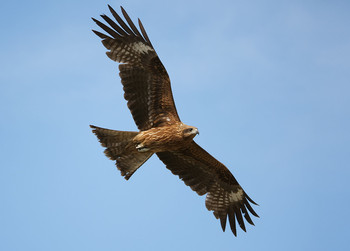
(145, 80)
(204, 174)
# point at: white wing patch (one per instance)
(219, 199)
(141, 48)
(236, 196)
(126, 53)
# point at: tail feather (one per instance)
(119, 147)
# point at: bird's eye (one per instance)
(188, 130)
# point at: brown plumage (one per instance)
(149, 98)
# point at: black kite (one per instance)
(149, 98)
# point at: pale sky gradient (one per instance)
(266, 82)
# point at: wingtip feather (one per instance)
(240, 219)
(100, 35)
(246, 195)
(223, 218)
(231, 218)
(251, 210)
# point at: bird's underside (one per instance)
(149, 97)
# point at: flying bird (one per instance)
(149, 97)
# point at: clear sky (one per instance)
(266, 82)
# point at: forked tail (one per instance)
(119, 147)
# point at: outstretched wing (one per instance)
(145, 80)
(204, 174)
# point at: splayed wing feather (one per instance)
(114, 25)
(131, 24)
(223, 218)
(251, 210)
(144, 33)
(120, 21)
(106, 28)
(101, 35)
(231, 219)
(246, 215)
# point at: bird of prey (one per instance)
(150, 100)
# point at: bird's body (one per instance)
(165, 138)
(149, 97)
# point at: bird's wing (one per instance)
(145, 80)
(204, 174)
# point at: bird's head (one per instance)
(189, 132)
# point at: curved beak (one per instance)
(197, 132)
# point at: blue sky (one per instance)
(266, 83)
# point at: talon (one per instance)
(141, 148)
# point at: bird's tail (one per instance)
(119, 147)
